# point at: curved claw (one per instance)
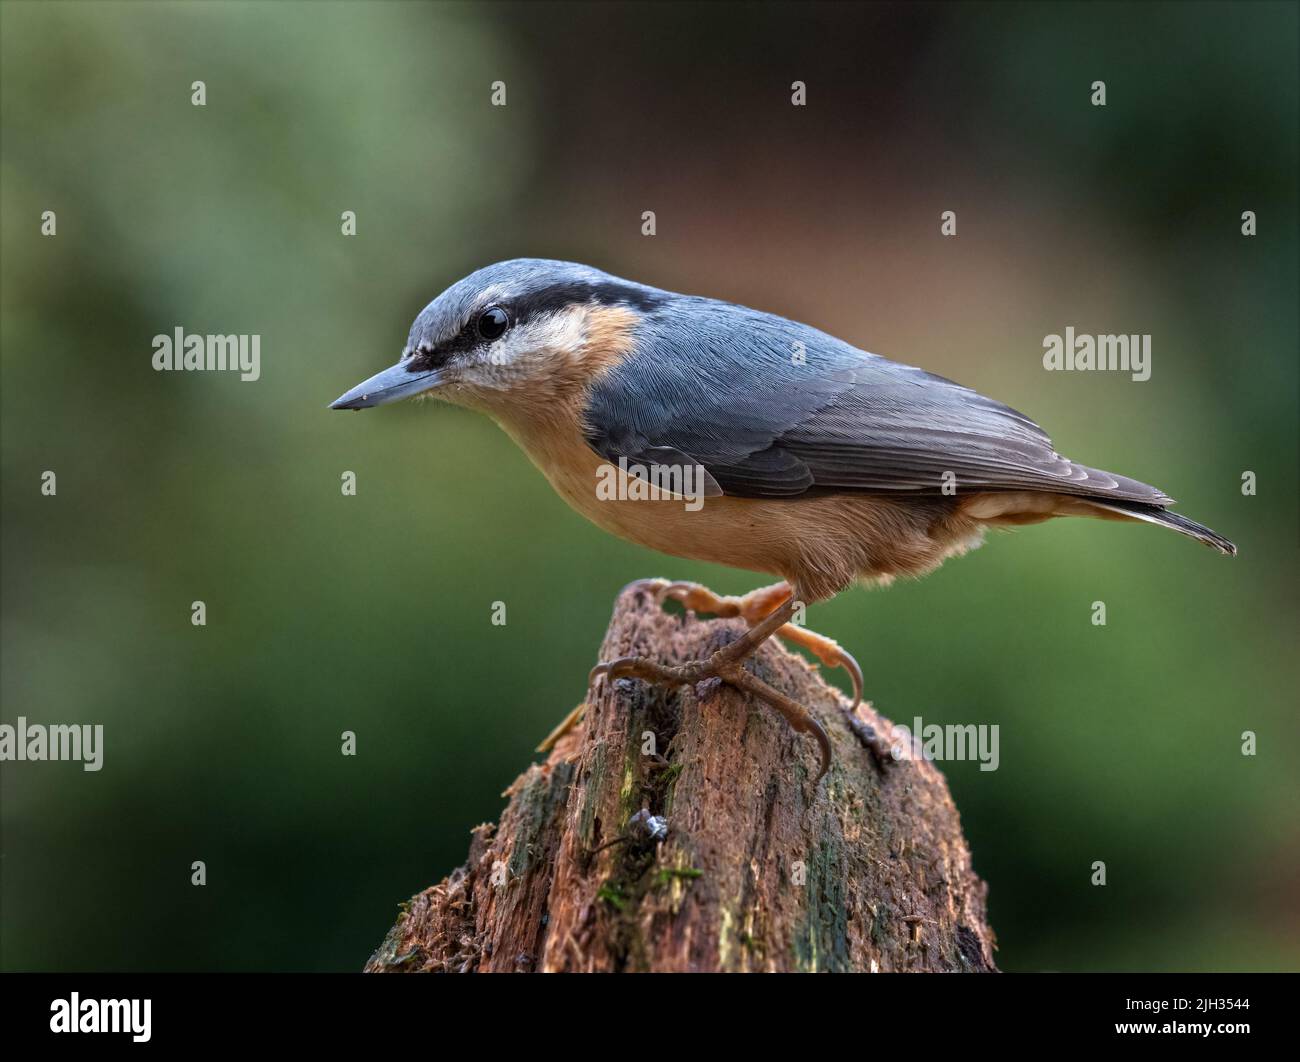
(655, 586)
(830, 654)
(642, 668)
(808, 724)
(850, 665)
(608, 667)
(694, 598)
(799, 718)
(678, 587)
(819, 732)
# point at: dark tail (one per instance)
(1154, 514)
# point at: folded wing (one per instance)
(777, 410)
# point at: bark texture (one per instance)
(759, 869)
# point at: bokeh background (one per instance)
(372, 613)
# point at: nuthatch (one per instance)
(814, 461)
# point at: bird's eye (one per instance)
(492, 322)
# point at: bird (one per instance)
(710, 431)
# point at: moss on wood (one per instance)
(760, 868)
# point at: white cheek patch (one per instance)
(529, 351)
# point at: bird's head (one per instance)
(524, 331)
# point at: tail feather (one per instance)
(1154, 514)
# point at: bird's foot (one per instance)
(754, 607)
(726, 664)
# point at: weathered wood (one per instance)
(760, 869)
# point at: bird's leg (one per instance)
(728, 664)
(829, 652)
(795, 713)
(752, 607)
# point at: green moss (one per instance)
(823, 940)
(595, 782)
(629, 786)
(612, 893)
(665, 875)
(537, 804)
(412, 956)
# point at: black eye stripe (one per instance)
(527, 308)
(552, 299)
(426, 358)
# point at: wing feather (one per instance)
(775, 409)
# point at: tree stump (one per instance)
(681, 830)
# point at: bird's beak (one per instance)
(388, 386)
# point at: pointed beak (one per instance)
(388, 386)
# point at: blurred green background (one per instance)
(372, 613)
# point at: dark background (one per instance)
(372, 613)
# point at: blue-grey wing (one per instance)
(776, 409)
